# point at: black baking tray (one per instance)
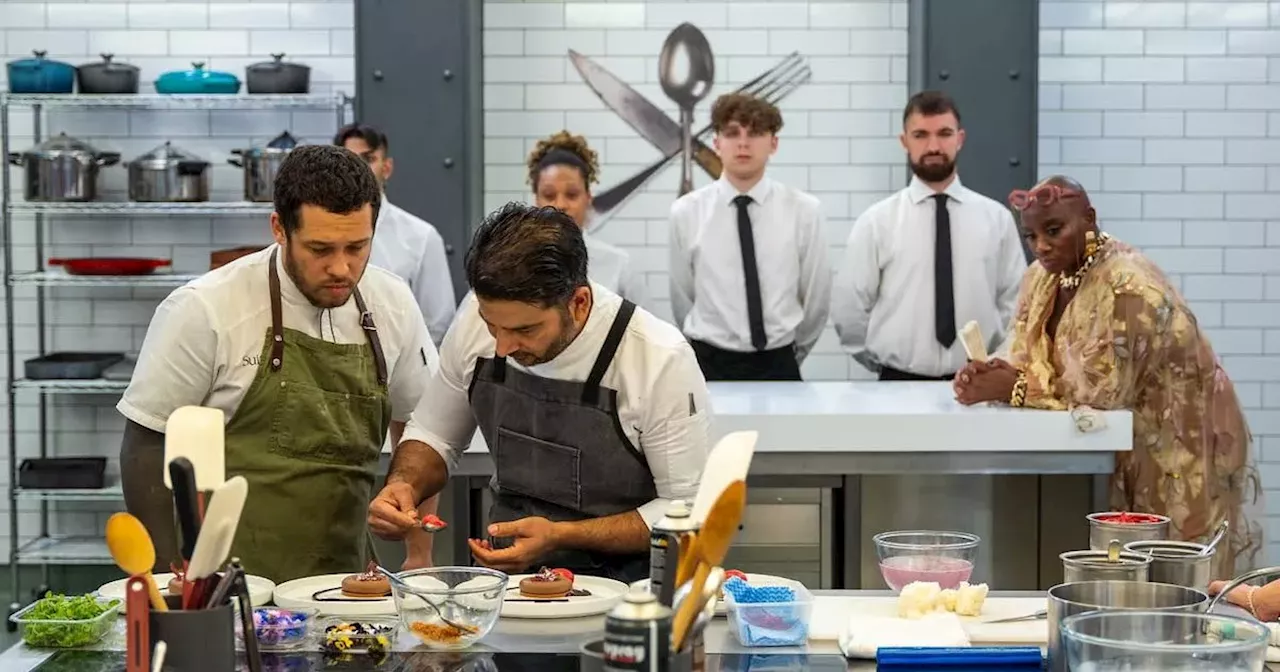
(70, 365)
(63, 473)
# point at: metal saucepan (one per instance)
(62, 168)
(276, 76)
(261, 164)
(110, 265)
(168, 174)
(107, 77)
(1176, 562)
(1101, 566)
(1126, 527)
(1068, 599)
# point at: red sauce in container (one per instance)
(1129, 518)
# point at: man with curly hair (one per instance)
(750, 284)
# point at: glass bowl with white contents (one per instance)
(449, 608)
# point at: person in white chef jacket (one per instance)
(750, 282)
(925, 261)
(562, 169)
(404, 244)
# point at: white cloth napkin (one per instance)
(866, 634)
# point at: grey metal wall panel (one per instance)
(418, 79)
(985, 54)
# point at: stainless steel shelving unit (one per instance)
(46, 549)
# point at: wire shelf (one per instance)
(184, 101)
(130, 208)
(64, 279)
(93, 386)
(65, 550)
(108, 494)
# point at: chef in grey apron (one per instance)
(559, 452)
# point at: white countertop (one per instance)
(897, 417)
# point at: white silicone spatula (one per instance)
(198, 434)
(217, 532)
(729, 461)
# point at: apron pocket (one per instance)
(322, 426)
(538, 469)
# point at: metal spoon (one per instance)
(1222, 531)
(433, 524)
(1113, 551)
(687, 90)
(1044, 613)
(406, 588)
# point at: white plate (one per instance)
(754, 579)
(260, 589)
(604, 594)
(297, 594)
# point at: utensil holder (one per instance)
(197, 640)
(592, 659)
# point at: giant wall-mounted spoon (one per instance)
(686, 89)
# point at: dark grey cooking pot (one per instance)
(62, 168)
(107, 77)
(167, 174)
(276, 76)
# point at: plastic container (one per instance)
(1167, 641)
(470, 596)
(279, 629)
(930, 556)
(59, 633)
(771, 623)
(357, 634)
(63, 473)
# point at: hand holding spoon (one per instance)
(432, 523)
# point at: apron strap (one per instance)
(499, 369)
(371, 330)
(591, 388)
(277, 319)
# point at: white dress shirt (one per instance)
(883, 308)
(204, 344)
(413, 249)
(610, 266)
(708, 281)
(654, 372)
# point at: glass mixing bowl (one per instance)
(945, 558)
(1112, 641)
(470, 597)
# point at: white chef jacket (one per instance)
(663, 403)
(708, 282)
(610, 266)
(413, 249)
(883, 306)
(204, 344)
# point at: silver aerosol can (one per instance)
(664, 550)
(637, 635)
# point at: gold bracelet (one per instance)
(1019, 395)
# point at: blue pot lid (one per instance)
(198, 73)
(38, 61)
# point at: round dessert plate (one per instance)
(721, 609)
(300, 594)
(604, 594)
(260, 589)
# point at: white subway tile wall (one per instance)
(1169, 112)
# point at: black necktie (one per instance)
(944, 300)
(755, 307)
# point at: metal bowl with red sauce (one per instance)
(1125, 527)
(1130, 518)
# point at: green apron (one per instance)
(307, 436)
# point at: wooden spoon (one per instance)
(132, 549)
(712, 544)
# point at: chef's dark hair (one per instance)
(373, 137)
(333, 178)
(527, 254)
(929, 104)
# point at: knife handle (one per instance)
(183, 476)
(706, 157)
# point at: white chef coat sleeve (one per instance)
(177, 362)
(433, 286)
(443, 418)
(815, 277)
(1013, 266)
(632, 283)
(856, 289)
(418, 360)
(680, 273)
(675, 431)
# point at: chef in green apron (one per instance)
(594, 410)
(312, 354)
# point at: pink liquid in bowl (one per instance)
(946, 572)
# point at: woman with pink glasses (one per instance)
(1099, 325)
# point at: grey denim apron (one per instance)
(559, 452)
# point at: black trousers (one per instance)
(720, 364)
(889, 373)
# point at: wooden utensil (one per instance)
(198, 434)
(713, 543)
(132, 549)
(688, 557)
(137, 642)
(728, 461)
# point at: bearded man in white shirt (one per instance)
(594, 410)
(927, 259)
(404, 244)
(750, 283)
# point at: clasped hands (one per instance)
(992, 380)
(393, 515)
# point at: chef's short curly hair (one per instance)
(327, 176)
(527, 254)
(749, 111)
(568, 149)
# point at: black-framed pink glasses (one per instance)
(1044, 196)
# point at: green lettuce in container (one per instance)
(61, 622)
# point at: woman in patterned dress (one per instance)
(1099, 325)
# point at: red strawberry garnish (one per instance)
(730, 573)
(434, 521)
(563, 573)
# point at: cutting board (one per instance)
(831, 615)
